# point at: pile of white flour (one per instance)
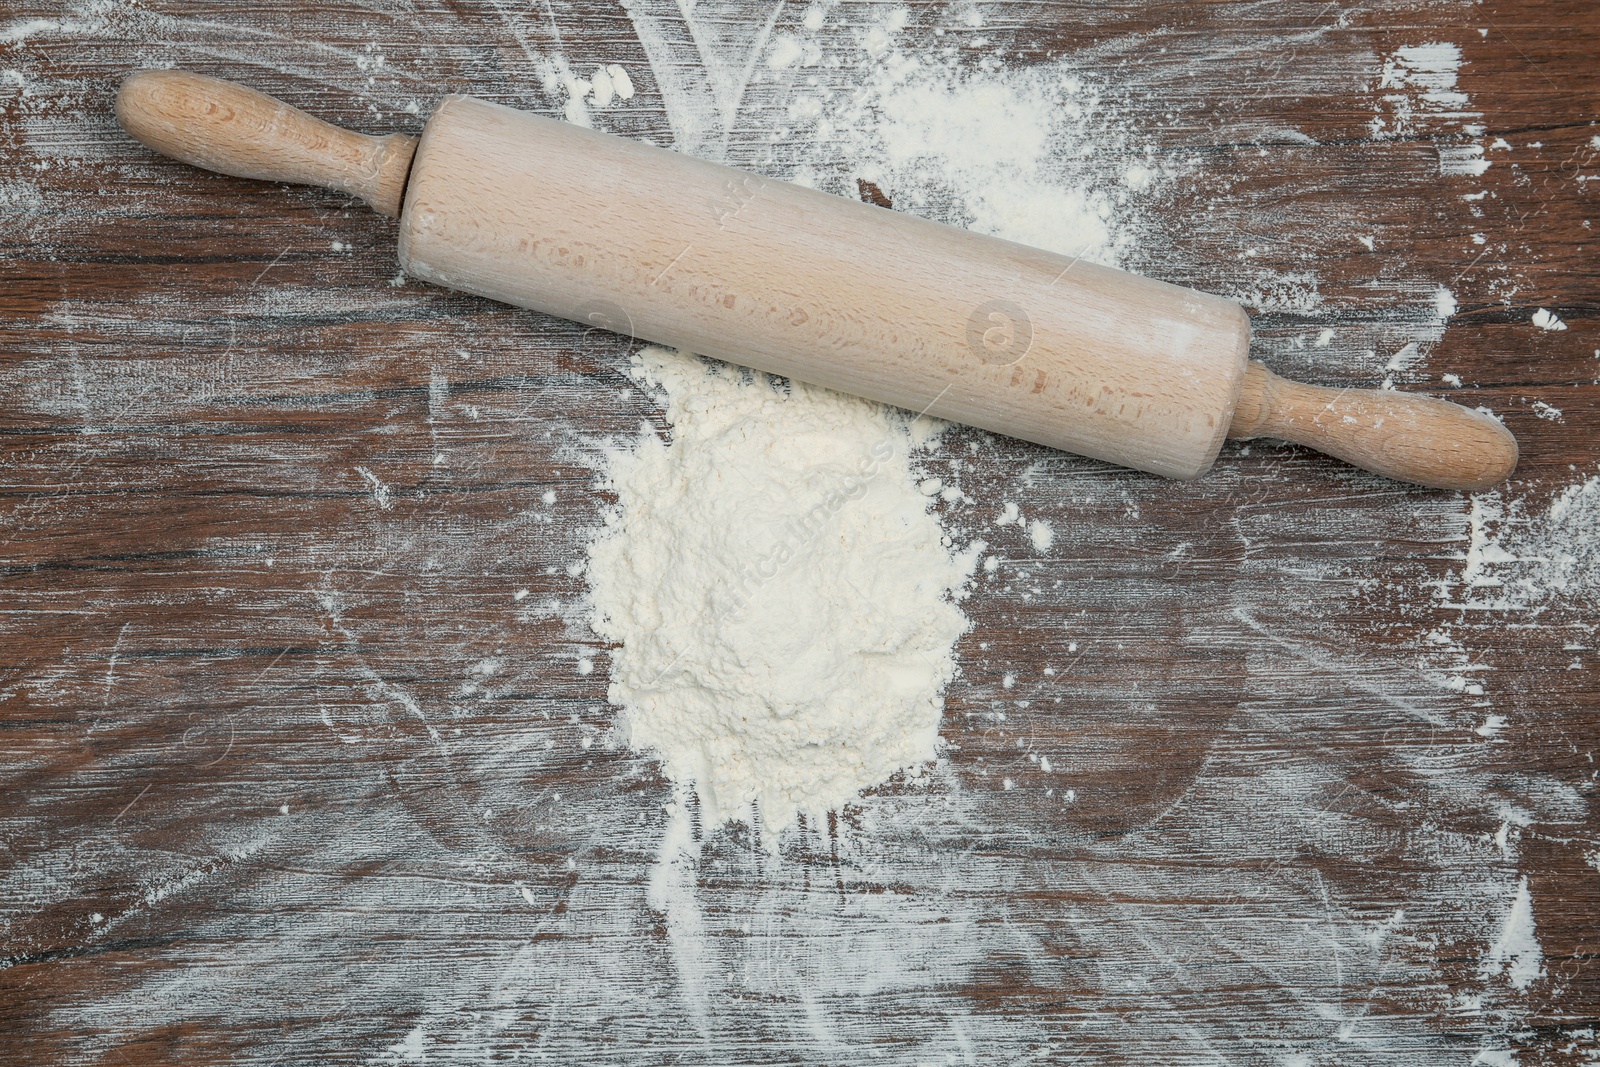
(783, 598)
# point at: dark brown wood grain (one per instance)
(243, 717)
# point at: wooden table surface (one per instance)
(293, 771)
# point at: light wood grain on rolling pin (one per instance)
(548, 215)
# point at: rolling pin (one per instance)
(767, 274)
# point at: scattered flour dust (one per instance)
(783, 599)
(1036, 155)
(1418, 87)
(1517, 558)
(1516, 952)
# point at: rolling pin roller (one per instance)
(644, 241)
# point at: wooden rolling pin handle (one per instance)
(227, 128)
(1400, 435)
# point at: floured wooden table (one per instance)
(303, 759)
